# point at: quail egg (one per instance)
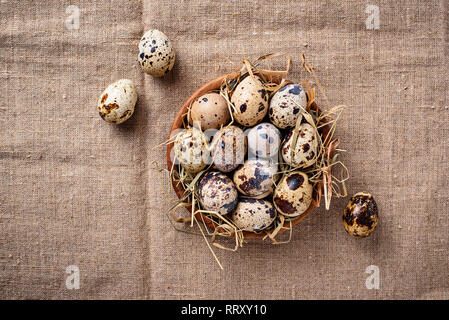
(306, 147)
(360, 216)
(263, 141)
(116, 103)
(285, 106)
(255, 178)
(250, 100)
(293, 194)
(156, 54)
(253, 215)
(210, 110)
(229, 148)
(191, 150)
(218, 193)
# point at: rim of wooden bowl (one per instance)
(178, 124)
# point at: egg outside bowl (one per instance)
(178, 124)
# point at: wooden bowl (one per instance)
(178, 124)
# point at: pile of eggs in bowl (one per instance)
(239, 162)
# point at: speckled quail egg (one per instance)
(116, 103)
(255, 178)
(218, 193)
(360, 216)
(293, 194)
(306, 147)
(210, 110)
(250, 100)
(156, 54)
(263, 141)
(229, 148)
(285, 106)
(191, 150)
(253, 215)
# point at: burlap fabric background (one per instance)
(77, 191)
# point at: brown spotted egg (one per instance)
(210, 110)
(255, 178)
(360, 216)
(263, 141)
(229, 148)
(253, 215)
(305, 151)
(218, 193)
(293, 194)
(250, 100)
(191, 150)
(116, 103)
(285, 106)
(156, 54)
